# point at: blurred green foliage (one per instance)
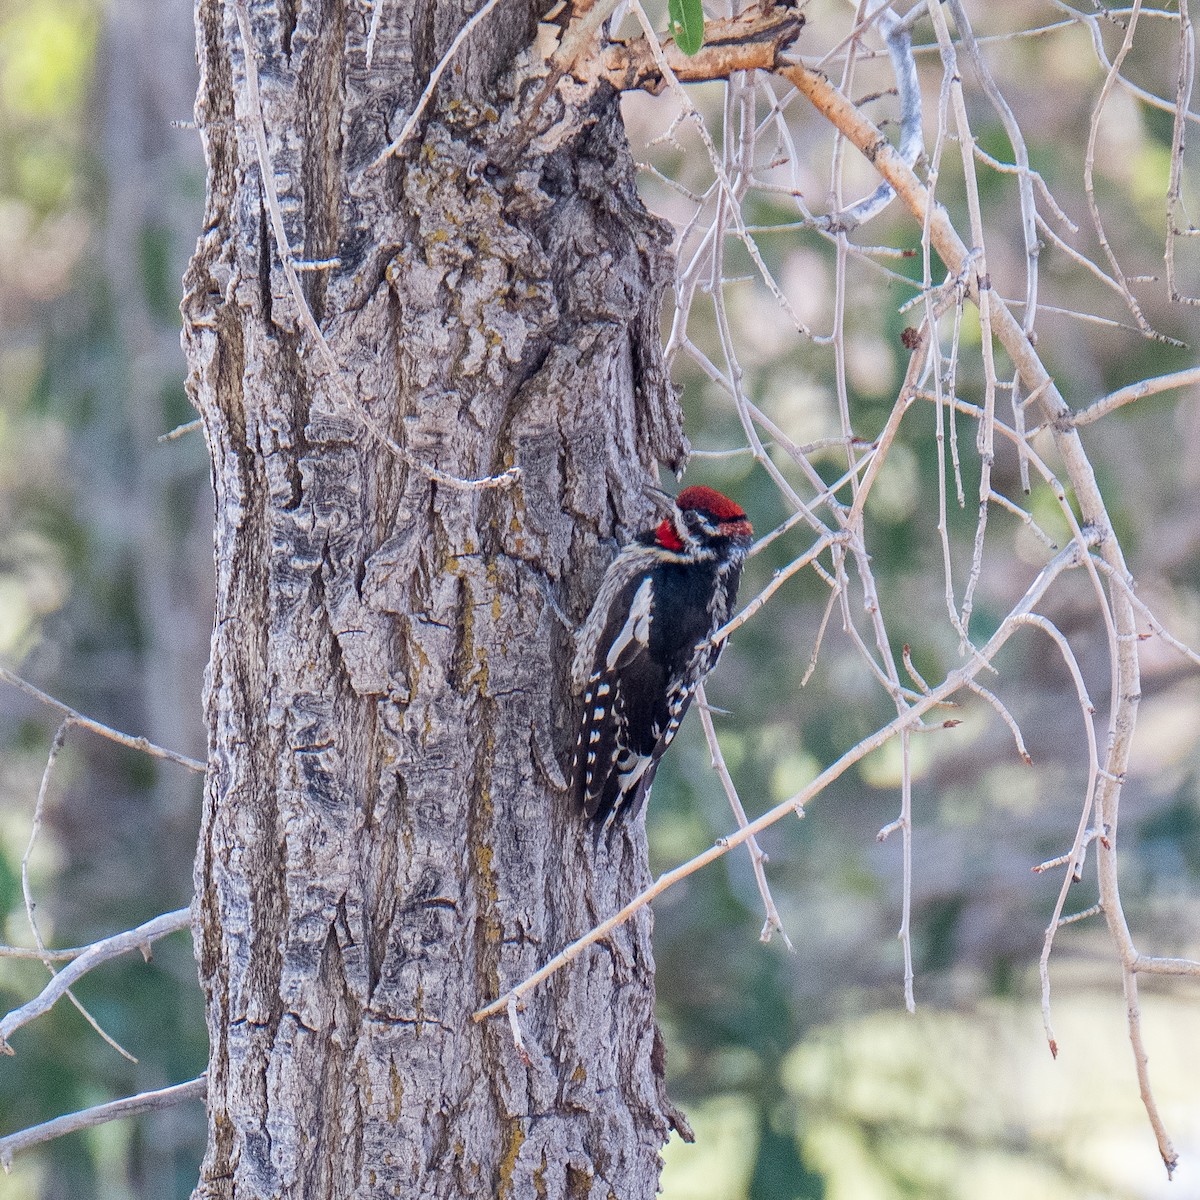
(76, 616)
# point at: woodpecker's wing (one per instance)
(649, 658)
(615, 595)
(646, 644)
(625, 709)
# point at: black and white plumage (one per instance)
(646, 647)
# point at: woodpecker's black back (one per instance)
(645, 647)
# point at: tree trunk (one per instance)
(387, 841)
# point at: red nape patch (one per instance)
(666, 537)
(709, 502)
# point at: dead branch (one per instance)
(105, 731)
(758, 856)
(39, 808)
(88, 1118)
(99, 952)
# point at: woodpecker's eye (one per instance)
(691, 518)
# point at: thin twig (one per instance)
(180, 430)
(1135, 391)
(1005, 716)
(105, 731)
(668, 73)
(1177, 226)
(898, 39)
(1075, 860)
(1089, 168)
(397, 144)
(88, 1118)
(95, 954)
(758, 856)
(35, 828)
(1025, 194)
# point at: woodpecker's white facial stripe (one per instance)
(636, 627)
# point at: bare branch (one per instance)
(95, 954)
(1089, 167)
(39, 807)
(105, 731)
(758, 856)
(1005, 716)
(898, 39)
(1075, 859)
(1135, 391)
(88, 1118)
(1177, 226)
(180, 430)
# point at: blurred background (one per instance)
(105, 569)
(801, 1072)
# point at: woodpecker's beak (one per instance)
(661, 500)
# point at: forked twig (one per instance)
(758, 856)
(98, 952)
(39, 809)
(98, 727)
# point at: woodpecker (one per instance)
(645, 647)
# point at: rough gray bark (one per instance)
(386, 840)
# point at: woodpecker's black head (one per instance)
(704, 517)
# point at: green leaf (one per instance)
(686, 18)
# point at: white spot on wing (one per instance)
(636, 627)
(634, 772)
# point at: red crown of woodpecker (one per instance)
(729, 517)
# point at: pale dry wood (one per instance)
(91, 957)
(35, 827)
(100, 1114)
(98, 727)
(758, 857)
(1188, 377)
(1177, 224)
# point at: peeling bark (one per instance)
(387, 841)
